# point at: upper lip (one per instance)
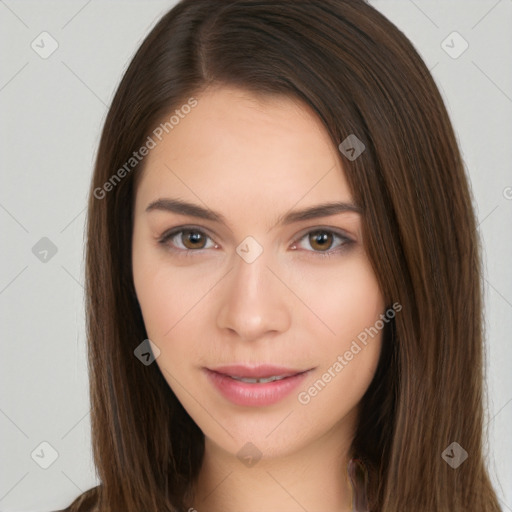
(256, 372)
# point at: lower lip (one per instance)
(244, 393)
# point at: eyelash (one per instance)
(164, 240)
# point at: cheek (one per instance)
(172, 302)
(340, 383)
(163, 293)
(345, 299)
(150, 289)
(348, 338)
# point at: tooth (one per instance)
(258, 381)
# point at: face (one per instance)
(256, 291)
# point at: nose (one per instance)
(254, 302)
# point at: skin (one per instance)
(253, 159)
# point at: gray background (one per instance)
(52, 112)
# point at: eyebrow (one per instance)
(193, 210)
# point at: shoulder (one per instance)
(86, 502)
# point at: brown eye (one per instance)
(320, 240)
(186, 241)
(196, 239)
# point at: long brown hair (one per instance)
(362, 76)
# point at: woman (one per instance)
(283, 272)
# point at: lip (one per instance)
(255, 394)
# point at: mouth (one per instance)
(257, 374)
(259, 381)
(255, 386)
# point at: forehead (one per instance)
(235, 151)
